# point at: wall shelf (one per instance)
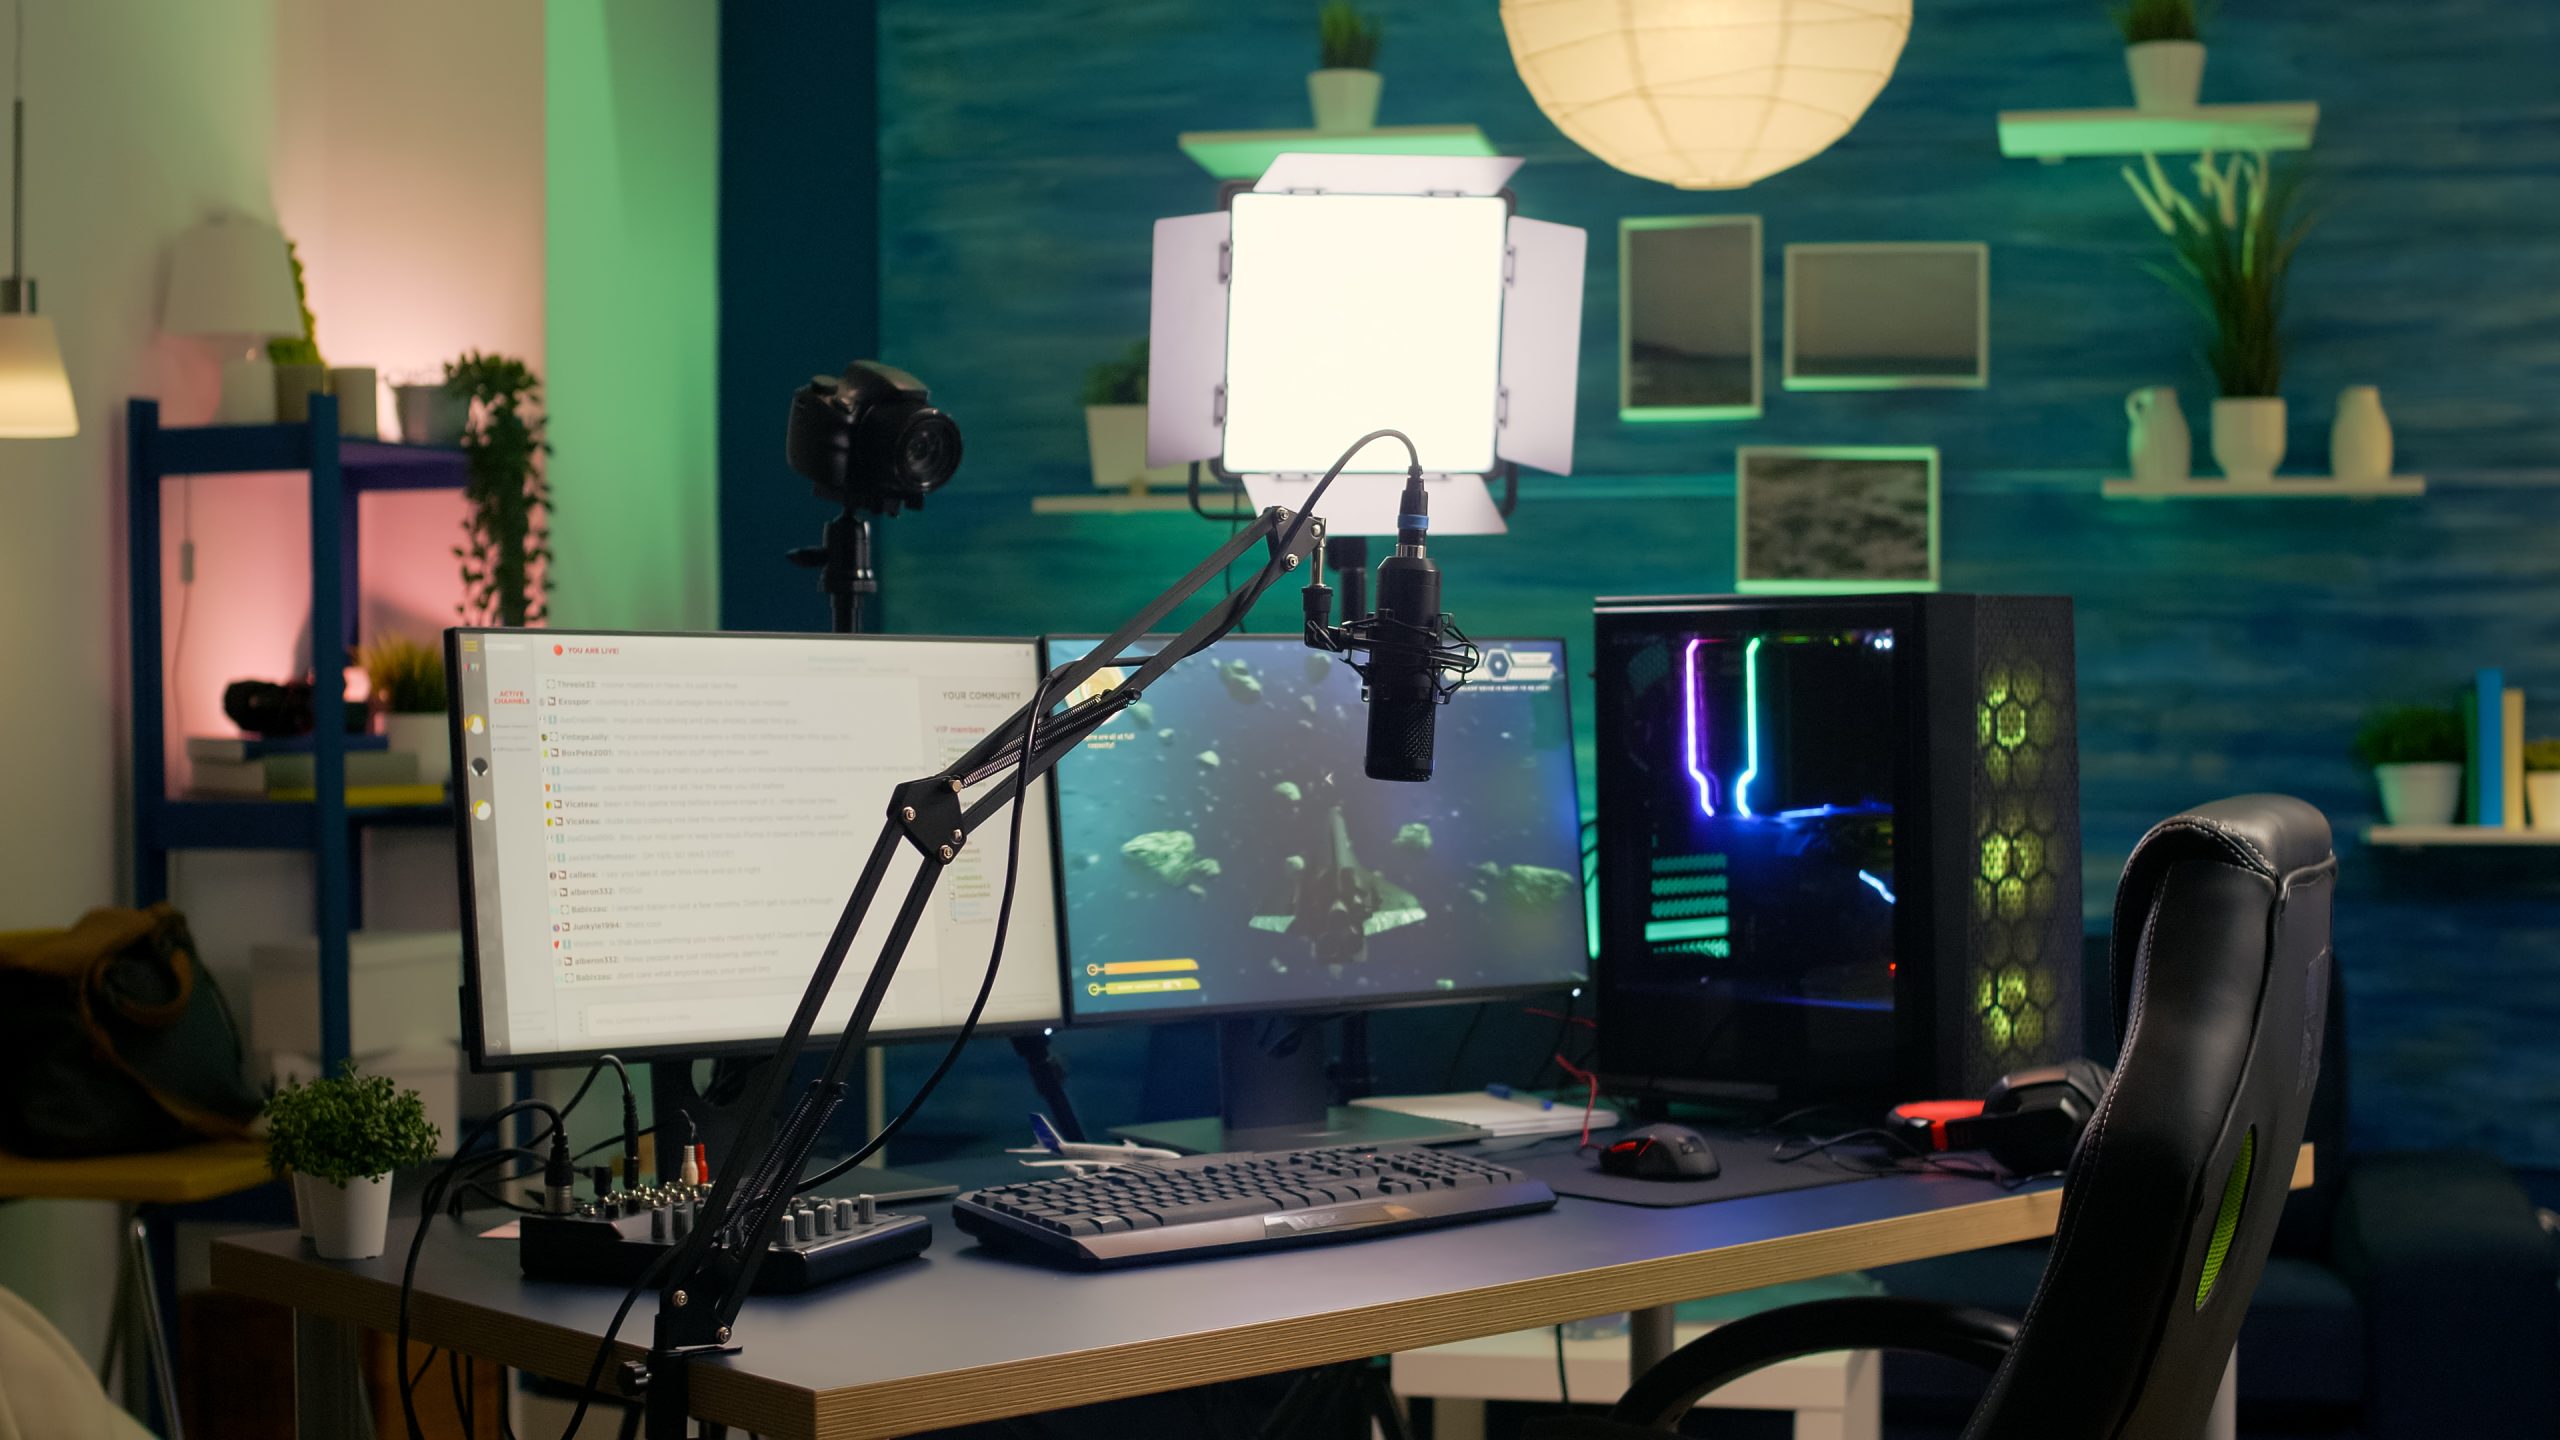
(2420, 835)
(2307, 487)
(2054, 135)
(1245, 154)
(1120, 502)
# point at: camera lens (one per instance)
(928, 451)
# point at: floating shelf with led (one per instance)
(1245, 154)
(2410, 836)
(2306, 487)
(1118, 502)
(2056, 135)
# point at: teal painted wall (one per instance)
(1025, 149)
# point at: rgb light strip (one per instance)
(1697, 737)
(1750, 728)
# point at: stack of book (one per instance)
(248, 767)
(2493, 762)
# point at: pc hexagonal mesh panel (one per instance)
(2022, 980)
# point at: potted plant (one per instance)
(341, 1137)
(1115, 424)
(407, 679)
(2416, 755)
(506, 559)
(1344, 87)
(2162, 52)
(2232, 245)
(2542, 783)
(300, 372)
(431, 412)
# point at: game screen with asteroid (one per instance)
(1219, 846)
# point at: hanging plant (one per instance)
(506, 557)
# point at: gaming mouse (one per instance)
(1660, 1152)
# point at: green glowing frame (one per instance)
(1978, 378)
(1743, 580)
(1630, 411)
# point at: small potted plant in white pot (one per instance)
(341, 1137)
(1115, 424)
(2542, 783)
(2162, 52)
(1344, 89)
(2231, 246)
(408, 688)
(2415, 752)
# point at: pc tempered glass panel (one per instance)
(1752, 835)
(664, 829)
(1224, 852)
(1353, 313)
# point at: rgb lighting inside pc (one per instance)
(1220, 849)
(1755, 775)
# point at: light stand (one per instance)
(709, 1274)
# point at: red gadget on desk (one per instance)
(2028, 1123)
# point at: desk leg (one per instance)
(328, 1396)
(1649, 1341)
(2224, 1422)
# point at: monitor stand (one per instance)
(1278, 1101)
(678, 1108)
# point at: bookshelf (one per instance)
(340, 469)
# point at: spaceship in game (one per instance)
(1336, 905)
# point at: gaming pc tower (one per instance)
(1839, 850)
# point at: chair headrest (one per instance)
(2276, 837)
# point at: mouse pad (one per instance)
(1748, 1170)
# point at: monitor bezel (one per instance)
(474, 1038)
(1363, 1005)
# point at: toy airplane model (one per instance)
(1078, 1156)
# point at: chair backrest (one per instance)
(2221, 977)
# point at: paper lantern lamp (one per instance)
(1705, 94)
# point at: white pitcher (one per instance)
(2360, 438)
(2157, 442)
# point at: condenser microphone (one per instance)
(1404, 673)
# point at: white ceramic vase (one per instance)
(2157, 442)
(2248, 436)
(1345, 101)
(2168, 75)
(2427, 793)
(2360, 438)
(2542, 799)
(423, 735)
(350, 1221)
(1115, 440)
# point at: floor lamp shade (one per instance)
(230, 276)
(1705, 94)
(35, 391)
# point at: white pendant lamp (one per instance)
(35, 391)
(1705, 94)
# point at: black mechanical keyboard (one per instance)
(1206, 1204)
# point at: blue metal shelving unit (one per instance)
(340, 469)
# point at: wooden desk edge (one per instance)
(1049, 1382)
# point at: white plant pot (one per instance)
(2428, 793)
(430, 414)
(1345, 101)
(2168, 75)
(350, 1221)
(422, 735)
(2248, 436)
(301, 1200)
(2542, 799)
(1115, 439)
(2360, 438)
(358, 388)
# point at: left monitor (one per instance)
(658, 832)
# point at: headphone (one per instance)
(2029, 1122)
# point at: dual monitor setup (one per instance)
(1837, 847)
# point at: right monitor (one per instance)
(1839, 843)
(1220, 851)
